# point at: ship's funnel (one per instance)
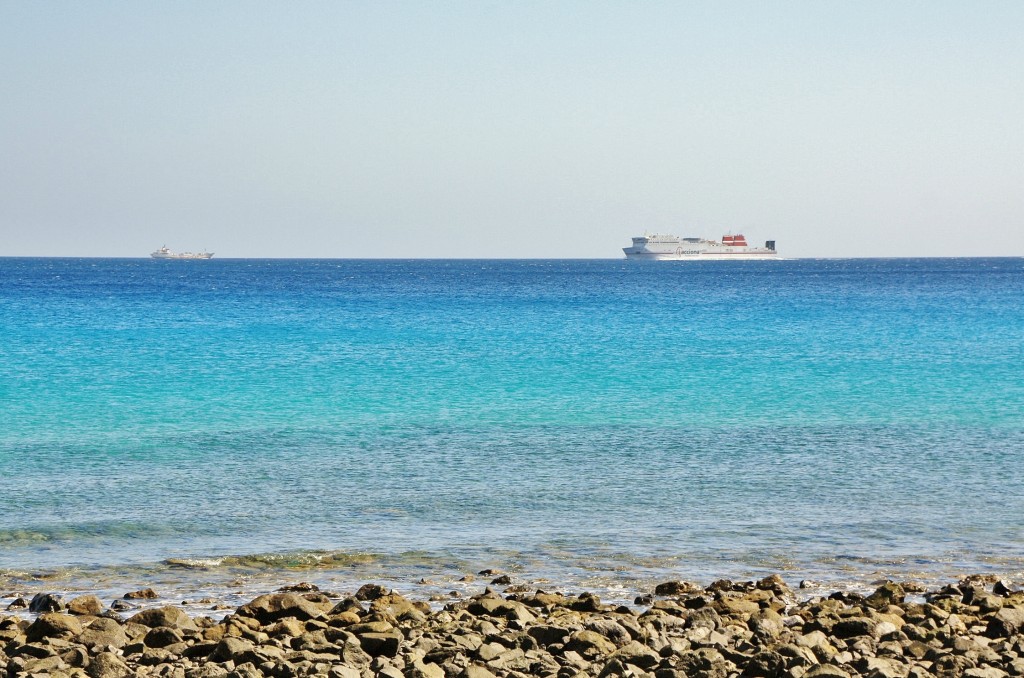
(770, 244)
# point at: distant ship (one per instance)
(672, 248)
(164, 253)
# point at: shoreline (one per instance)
(767, 628)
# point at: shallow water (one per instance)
(236, 424)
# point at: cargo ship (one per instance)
(673, 248)
(164, 253)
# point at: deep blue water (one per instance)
(583, 421)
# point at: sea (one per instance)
(219, 429)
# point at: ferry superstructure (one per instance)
(164, 253)
(660, 247)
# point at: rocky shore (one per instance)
(973, 629)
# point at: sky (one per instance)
(518, 129)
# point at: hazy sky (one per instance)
(511, 129)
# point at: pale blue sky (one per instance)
(518, 129)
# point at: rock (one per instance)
(766, 624)
(378, 644)
(420, 669)
(589, 642)
(301, 587)
(46, 602)
(231, 649)
(392, 604)
(340, 671)
(53, 625)
(476, 671)
(168, 615)
(370, 592)
(246, 670)
(611, 630)
(44, 666)
(85, 605)
(103, 632)
(887, 594)
(852, 627)
(765, 664)
(826, 671)
(1006, 622)
(107, 665)
(637, 654)
(141, 594)
(985, 672)
(162, 636)
(502, 580)
(273, 606)
(881, 667)
(676, 588)
(18, 604)
(546, 634)
(735, 606)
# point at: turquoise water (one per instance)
(593, 423)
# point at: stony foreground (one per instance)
(974, 629)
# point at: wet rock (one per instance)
(676, 588)
(141, 594)
(18, 604)
(370, 592)
(46, 602)
(85, 605)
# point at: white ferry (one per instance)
(164, 253)
(673, 248)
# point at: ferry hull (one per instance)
(673, 248)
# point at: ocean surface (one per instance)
(227, 426)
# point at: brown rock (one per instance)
(46, 602)
(271, 607)
(141, 594)
(53, 625)
(676, 588)
(103, 632)
(168, 615)
(370, 592)
(85, 606)
(380, 644)
(589, 643)
(107, 665)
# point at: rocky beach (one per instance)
(760, 629)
